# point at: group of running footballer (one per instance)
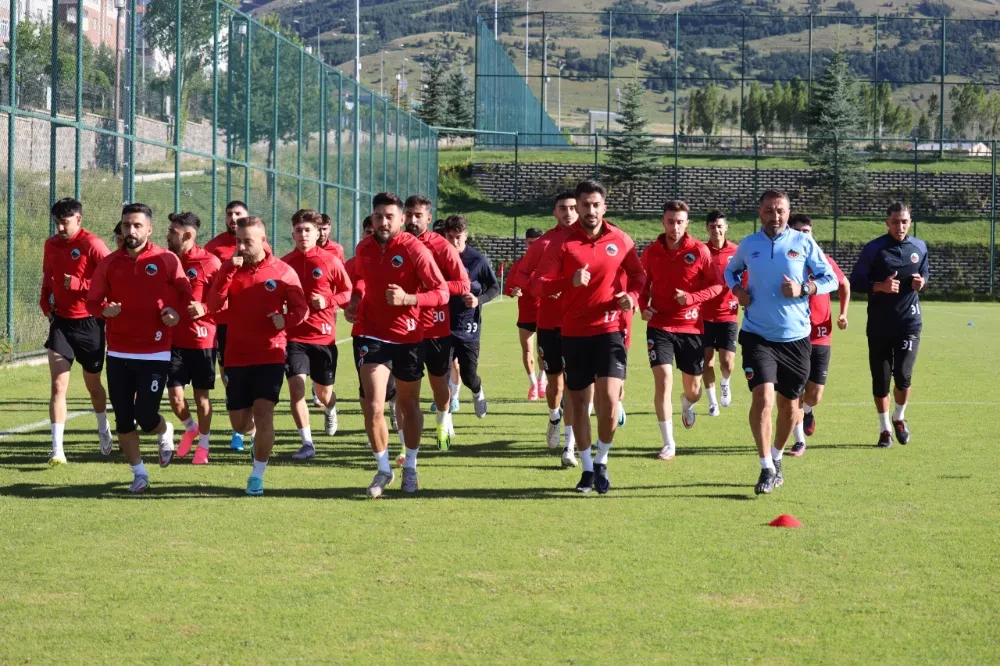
(161, 317)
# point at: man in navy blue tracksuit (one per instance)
(467, 310)
(892, 269)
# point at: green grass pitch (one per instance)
(496, 560)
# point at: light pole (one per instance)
(120, 6)
(559, 94)
(357, 120)
(527, 18)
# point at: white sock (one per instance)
(203, 440)
(332, 409)
(411, 458)
(555, 414)
(570, 439)
(587, 460)
(532, 380)
(897, 414)
(883, 422)
(382, 457)
(258, 470)
(776, 454)
(102, 422)
(453, 389)
(481, 395)
(712, 402)
(685, 403)
(667, 433)
(799, 432)
(807, 408)
(724, 381)
(190, 424)
(766, 463)
(603, 448)
(57, 439)
(439, 416)
(590, 410)
(306, 435)
(401, 442)
(139, 470)
(543, 379)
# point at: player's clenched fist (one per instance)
(582, 277)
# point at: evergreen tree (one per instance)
(924, 130)
(433, 95)
(752, 110)
(630, 154)
(460, 100)
(835, 115)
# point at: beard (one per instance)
(132, 243)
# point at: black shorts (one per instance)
(664, 347)
(527, 326)
(317, 361)
(784, 364)
(79, 339)
(405, 359)
(892, 357)
(135, 388)
(720, 335)
(390, 389)
(437, 355)
(220, 343)
(819, 364)
(550, 347)
(594, 356)
(192, 366)
(248, 383)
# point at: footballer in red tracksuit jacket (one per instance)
(592, 338)
(192, 358)
(436, 321)
(68, 266)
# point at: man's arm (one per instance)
(548, 279)
(340, 284)
(709, 279)
(488, 279)
(635, 276)
(520, 274)
(861, 275)
(96, 251)
(97, 294)
(734, 270)
(178, 281)
(450, 263)
(295, 300)
(218, 293)
(432, 280)
(823, 277)
(43, 300)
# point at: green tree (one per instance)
(800, 105)
(434, 94)
(968, 110)
(935, 116)
(752, 110)
(708, 108)
(630, 154)
(460, 100)
(734, 113)
(835, 115)
(924, 130)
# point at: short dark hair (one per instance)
(455, 223)
(798, 220)
(325, 220)
(307, 215)
(714, 215)
(533, 232)
(773, 194)
(236, 203)
(118, 229)
(367, 222)
(250, 221)
(677, 206)
(387, 199)
(129, 209)
(897, 207)
(415, 200)
(186, 219)
(67, 207)
(590, 186)
(562, 196)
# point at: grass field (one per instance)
(496, 560)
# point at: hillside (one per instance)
(410, 31)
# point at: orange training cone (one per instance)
(785, 520)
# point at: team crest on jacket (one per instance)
(151, 269)
(317, 273)
(914, 258)
(270, 285)
(397, 261)
(192, 273)
(689, 258)
(611, 249)
(792, 254)
(75, 253)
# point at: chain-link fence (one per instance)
(932, 77)
(183, 106)
(953, 200)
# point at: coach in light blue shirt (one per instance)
(785, 268)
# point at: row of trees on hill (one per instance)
(446, 96)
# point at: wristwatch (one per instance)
(807, 289)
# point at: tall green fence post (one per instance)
(77, 166)
(677, 58)
(875, 123)
(298, 153)
(272, 175)
(836, 189)
(215, 116)
(756, 176)
(517, 182)
(53, 102)
(179, 66)
(607, 126)
(993, 213)
(246, 116)
(596, 156)
(12, 99)
(944, 69)
(743, 75)
(916, 172)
